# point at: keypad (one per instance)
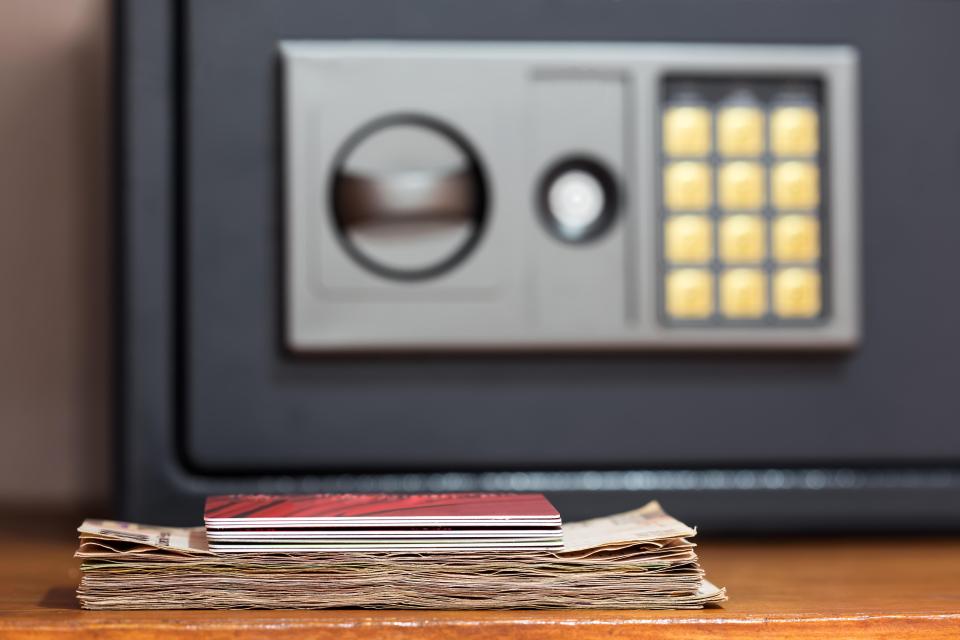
(742, 202)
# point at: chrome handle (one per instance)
(405, 198)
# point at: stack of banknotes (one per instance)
(641, 559)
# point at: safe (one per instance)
(698, 252)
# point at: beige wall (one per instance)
(54, 252)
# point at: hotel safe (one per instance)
(699, 252)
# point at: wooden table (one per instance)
(834, 589)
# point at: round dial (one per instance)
(408, 197)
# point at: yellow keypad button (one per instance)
(743, 293)
(796, 238)
(743, 239)
(689, 239)
(796, 185)
(794, 131)
(741, 185)
(740, 131)
(796, 293)
(686, 186)
(686, 131)
(690, 293)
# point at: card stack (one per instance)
(382, 522)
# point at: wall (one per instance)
(54, 252)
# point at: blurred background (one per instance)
(468, 276)
(55, 254)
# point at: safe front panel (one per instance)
(216, 398)
(540, 117)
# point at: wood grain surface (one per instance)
(905, 588)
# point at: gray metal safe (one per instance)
(608, 251)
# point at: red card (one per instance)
(381, 508)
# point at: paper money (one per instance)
(638, 559)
